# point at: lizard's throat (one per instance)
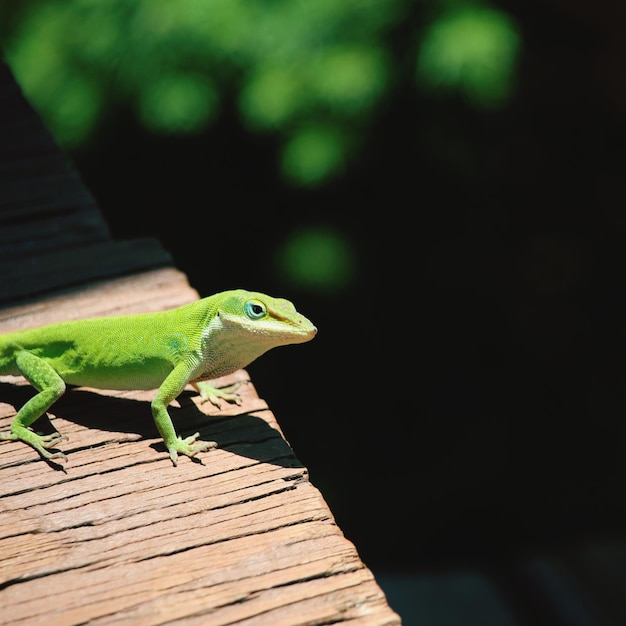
(225, 358)
(223, 353)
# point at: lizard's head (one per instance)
(243, 325)
(270, 321)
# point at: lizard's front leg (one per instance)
(42, 376)
(171, 388)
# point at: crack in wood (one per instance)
(312, 518)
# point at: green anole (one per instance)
(167, 350)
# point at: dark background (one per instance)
(463, 403)
(465, 397)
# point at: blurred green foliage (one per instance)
(319, 259)
(313, 72)
(179, 103)
(472, 49)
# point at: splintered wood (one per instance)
(237, 536)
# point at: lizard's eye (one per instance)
(254, 309)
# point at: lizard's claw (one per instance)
(51, 441)
(55, 456)
(189, 447)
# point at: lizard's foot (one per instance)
(189, 447)
(50, 441)
(41, 443)
(214, 394)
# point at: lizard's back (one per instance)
(121, 352)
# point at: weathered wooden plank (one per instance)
(238, 535)
(148, 292)
(46, 271)
(52, 234)
(36, 178)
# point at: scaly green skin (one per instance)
(196, 342)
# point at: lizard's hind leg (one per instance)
(42, 376)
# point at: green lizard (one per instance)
(194, 343)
